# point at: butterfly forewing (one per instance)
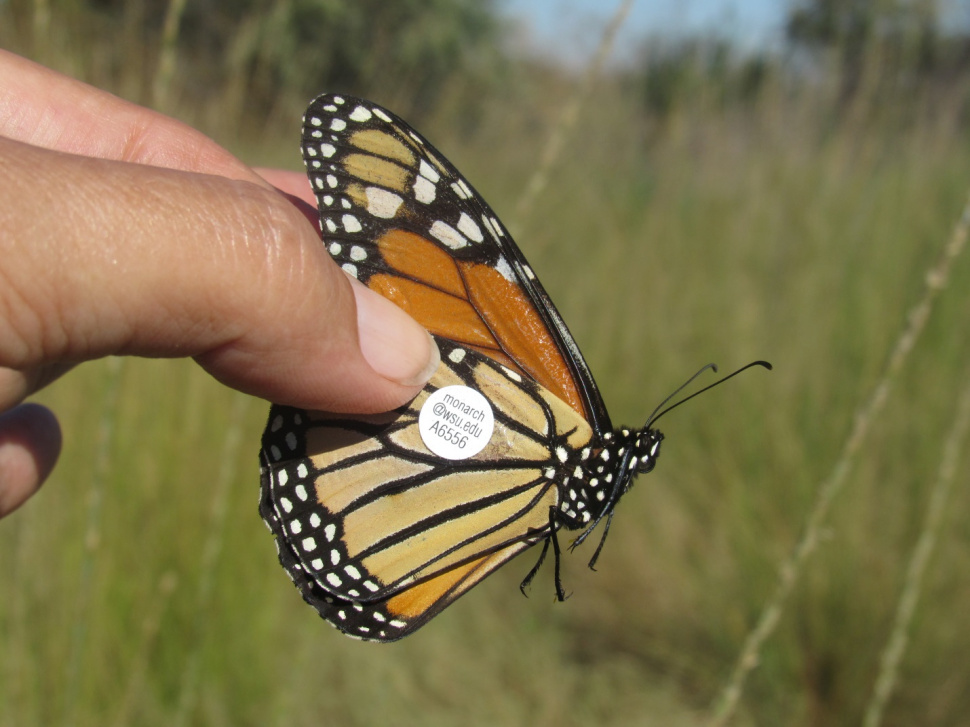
(399, 217)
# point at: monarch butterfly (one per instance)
(384, 520)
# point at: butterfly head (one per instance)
(646, 448)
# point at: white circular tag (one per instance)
(456, 422)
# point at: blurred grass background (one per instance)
(710, 204)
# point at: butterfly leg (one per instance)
(606, 530)
(527, 581)
(557, 552)
(560, 593)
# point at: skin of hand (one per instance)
(125, 232)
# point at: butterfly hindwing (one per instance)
(395, 617)
(366, 516)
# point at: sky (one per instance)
(571, 29)
(563, 27)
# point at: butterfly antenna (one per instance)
(655, 416)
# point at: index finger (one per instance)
(44, 108)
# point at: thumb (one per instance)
(155, 262)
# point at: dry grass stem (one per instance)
(899, 637)
(228, 472)
(566, 121)
(936, 280)
(168, 55)
(135, 691)
(92, 535)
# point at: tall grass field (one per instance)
(800, 555)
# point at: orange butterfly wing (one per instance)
(379, 534)
(399, 217)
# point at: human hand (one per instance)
(125, 232)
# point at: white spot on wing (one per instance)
(504, 269)
(457, 355)
(428, 171)
(359, 114)
(424, 190)
(382, 116)
(488, 226)
(328, 150)
(467, 226)
(447, 235)
(338, 124)
(382, 203)
(351, 223)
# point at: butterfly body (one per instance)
(378, 531)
